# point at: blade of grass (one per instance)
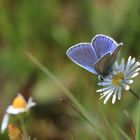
(82, 111)
(122, 131)
(132, 127)
(115, 137)
(138, 123)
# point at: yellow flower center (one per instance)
(117, 79)
(19, 102)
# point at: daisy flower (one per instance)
(121, 77)
(18, 106)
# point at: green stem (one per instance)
(137, 96)
(23, 127)
(138, 123)
(79, 107)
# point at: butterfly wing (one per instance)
(114, 55)
(103, 44)
(102, 65)
(97, 57)
(83, 55)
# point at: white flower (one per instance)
(121, 76)
(18, 106)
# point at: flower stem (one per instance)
(137, 96)
(22, 123)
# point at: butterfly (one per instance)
(98, 56)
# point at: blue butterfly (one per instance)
(98, 56)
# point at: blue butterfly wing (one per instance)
(103, 44)
(83, 55)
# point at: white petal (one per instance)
(4, 122)
(30, 103)
(132, 63)
(107, 79)
(15, 111)
(114, 97)
(108, 96)
(126, 87)
(134, 75)
(119, 93)
(106, 92)
(116, 65)
(122, 66)
(129, 73)
(133, 60)
(129, 81)
(136, 65)
(104, 89)
(128, 63)
(138, 69)
(104, 83)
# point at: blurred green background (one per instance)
(46, 29)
